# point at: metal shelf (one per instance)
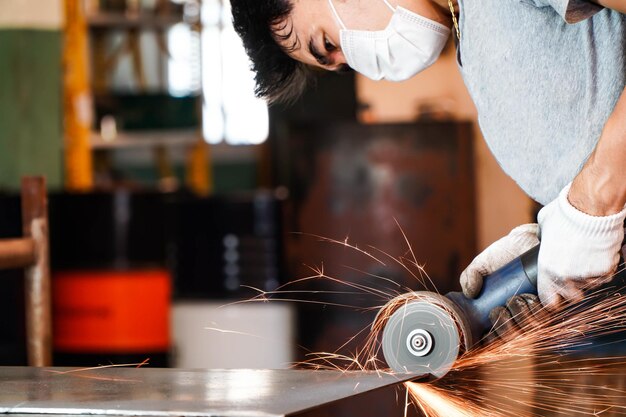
(146, 138)
(107, 20)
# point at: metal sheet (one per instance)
(175, 392)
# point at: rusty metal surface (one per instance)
(37, 276)
(374, 185)
(16, 253)
(173, 392)
(365, 182)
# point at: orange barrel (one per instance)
(110, 287)
(112, 316)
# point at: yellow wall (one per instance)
(501, 204)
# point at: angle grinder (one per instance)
(428, 331)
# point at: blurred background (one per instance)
(174, 193)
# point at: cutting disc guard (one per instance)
(422, 336)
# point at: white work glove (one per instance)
(519, 310)
(578, 251)
(498, 254)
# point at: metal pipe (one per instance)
(37, 284)
(17, 253)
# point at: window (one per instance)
(231, 112)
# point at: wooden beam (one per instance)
(17, 253)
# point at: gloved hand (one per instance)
(498, 254)
(520, 311)
(578, 251)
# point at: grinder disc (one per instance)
(421, 337)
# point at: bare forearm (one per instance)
(619, 5)
(600, 188)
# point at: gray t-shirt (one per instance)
(545, 75)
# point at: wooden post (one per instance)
(37, 285)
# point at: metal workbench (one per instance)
(175, 392)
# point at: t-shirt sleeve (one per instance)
(572, 11)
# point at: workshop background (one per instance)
(175, 196)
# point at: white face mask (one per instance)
(409, 44)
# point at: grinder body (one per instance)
(427, 333)
(517, 277)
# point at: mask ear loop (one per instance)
(332, 7)
(393, 9)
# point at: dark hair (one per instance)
(278, 77)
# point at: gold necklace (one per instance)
(456, 24)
